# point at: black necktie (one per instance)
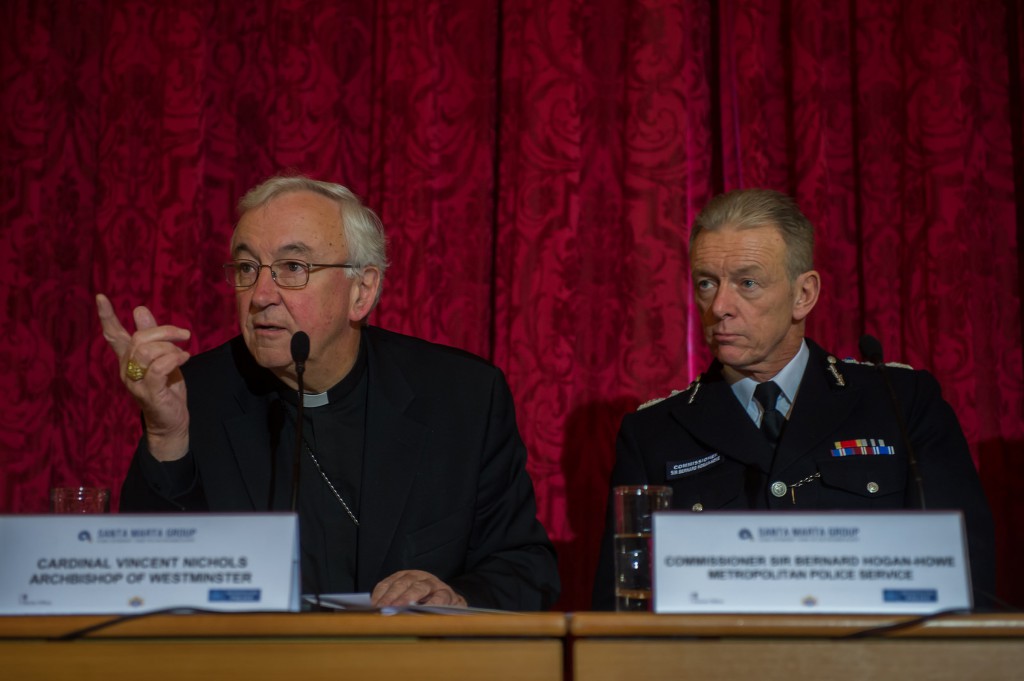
(767, 394)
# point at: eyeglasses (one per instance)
(242, 274)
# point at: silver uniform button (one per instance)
(872, 487)
(779, 488)
(697, 508)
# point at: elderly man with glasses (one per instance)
(412, 481)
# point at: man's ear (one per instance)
(364, 294)
(807, 287)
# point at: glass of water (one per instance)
(634, 508)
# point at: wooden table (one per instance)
(608, 646)
(543, 646)
(293, 647)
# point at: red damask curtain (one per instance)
(537, 165)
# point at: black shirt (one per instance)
(334, 436)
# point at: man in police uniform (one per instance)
(776, 422)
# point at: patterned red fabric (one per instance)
(537, 164)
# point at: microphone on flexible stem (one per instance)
(871, 349)
(300, 353)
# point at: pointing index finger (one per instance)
(147, 330)
(113, 330)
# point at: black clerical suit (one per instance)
(702, 443)
(443, 481)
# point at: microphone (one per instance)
(871, 349)
(300, 353)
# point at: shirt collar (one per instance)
(336, 393)
(788, 380)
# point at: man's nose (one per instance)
(723, 304)
(265, 291)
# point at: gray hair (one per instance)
(747, 208)
(364, 233)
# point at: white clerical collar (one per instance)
(317, 400)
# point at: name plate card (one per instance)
(122, 564)
(829, 562)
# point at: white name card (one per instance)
(829, 562)
(120, 564)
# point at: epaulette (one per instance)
(694, 386)
(651, 403)
(897, 365)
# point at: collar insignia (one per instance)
(836, 376)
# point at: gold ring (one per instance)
(134, 370)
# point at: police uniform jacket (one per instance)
(841, 449)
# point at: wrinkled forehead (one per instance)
(291, 224)
(734, 240)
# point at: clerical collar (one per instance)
(339, 391)
(317, 400)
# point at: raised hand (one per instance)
(150, 366)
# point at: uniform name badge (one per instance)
(123, 564)
(903, 562)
